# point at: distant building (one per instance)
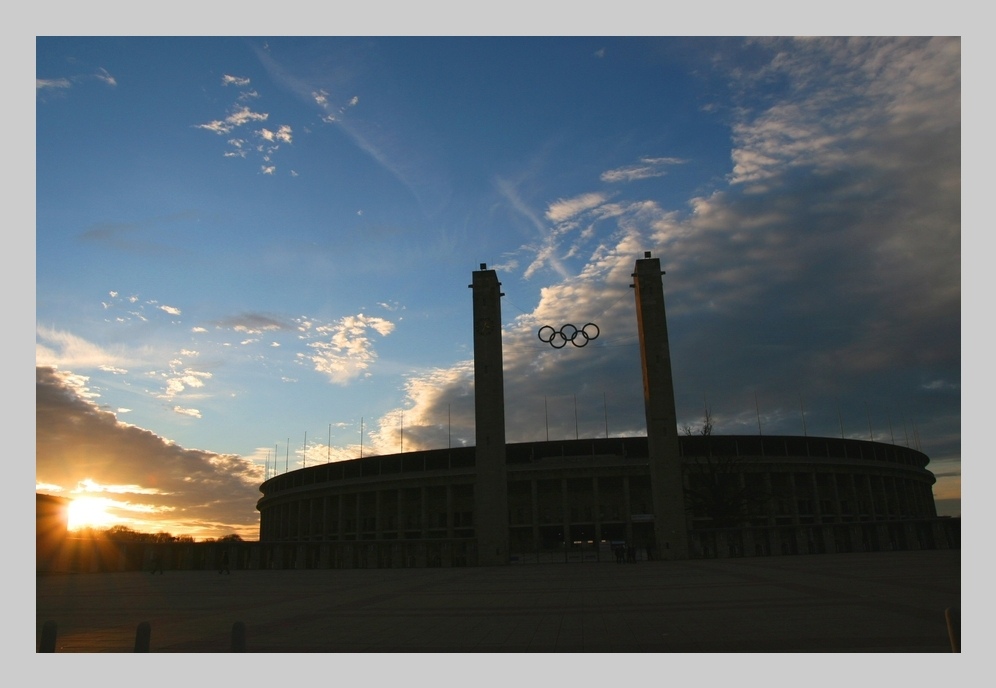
(663, 496)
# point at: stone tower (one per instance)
(491, 486)
(662, 424)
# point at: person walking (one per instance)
(224, 564)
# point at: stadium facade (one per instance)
(663, 496)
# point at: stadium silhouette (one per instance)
(664, 496)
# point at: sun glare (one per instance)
(89, 512)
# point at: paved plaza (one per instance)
(875, 602)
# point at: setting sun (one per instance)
(89, 512)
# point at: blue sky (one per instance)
(245, 246)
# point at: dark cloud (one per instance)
(157, 483)
(255, 323)
(152, 236)
(817, 292)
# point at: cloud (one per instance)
(61, 84)
(941, 385)
(156, 484)
(544, 250)
(44, 84)
(824, 269)
(647, 168)
(255, 323)
(241, 115)
(387, 136)
(237, 118)
(566, 209)
(131, 236)
(346, 350)
(860, 102)
(58, 349)
(104, 76)
(282, 134)
(179, 381)
(439, 412)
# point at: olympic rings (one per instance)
(568, 333)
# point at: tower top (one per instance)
(646, 264)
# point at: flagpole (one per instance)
(757, 410)
(546, 418)
(575, 416)
(605, 412)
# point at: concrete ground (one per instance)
(875, 602)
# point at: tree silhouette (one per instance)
(716, 487)
(124, 533)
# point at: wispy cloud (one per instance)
(543, 251)
(59, 349)
(827, 259)
(61, 84)
(237, 118)
(151, 235)
(229, 80)
(819, 233)
(332, 114)
(384, 135)
(104, 75)
(43, 84)
(193, 413)
(566, 209)
(645, 169)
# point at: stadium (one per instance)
(664, 496)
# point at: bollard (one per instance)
(238, 637)
(48, 637)
(952, 616)
(142, 636)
